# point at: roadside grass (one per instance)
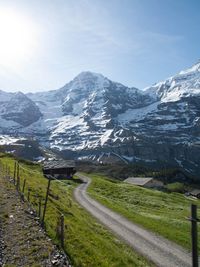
(87, 242)
(160, 212)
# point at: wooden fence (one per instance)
(25, 192)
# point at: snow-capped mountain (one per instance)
(17, 110)
(174, 116)
(83, 114)
(184, 84)
(93, 116)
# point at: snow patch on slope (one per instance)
(184, 84)
(194, 68)
(105, 137)
(137, 114)
(8, 140)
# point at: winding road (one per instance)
(157, 249)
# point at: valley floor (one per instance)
(22, 241)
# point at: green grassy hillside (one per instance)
(87, 242)
(163, 213)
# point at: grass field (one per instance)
(87, 242)
(160, 212)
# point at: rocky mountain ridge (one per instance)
(94, 117)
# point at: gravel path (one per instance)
(22, 240)
(157, 249)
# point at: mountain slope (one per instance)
(185, 84)
(96, 118)
(175, 111)
(19, 109)
(171, 125)
(83, 114)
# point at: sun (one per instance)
(17, 38)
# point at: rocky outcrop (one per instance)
(20, 109)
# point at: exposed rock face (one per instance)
(92, 116)
(83, 114)
(19, 108)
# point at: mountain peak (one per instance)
(89, 75)
(88, 80)
(185, 84)
(194, 68)
(19, 94)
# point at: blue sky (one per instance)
(135, 42)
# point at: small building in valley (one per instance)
(60, 169)
(148, 182)
(195, 193)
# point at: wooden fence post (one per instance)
(46, 199)
(24, 184)
(23, 189)
(39, 208)
(28, 198)
(17, 174)
(62, 230)
(194, 221)
(19, 184)
(15, 169)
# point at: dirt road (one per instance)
(22, 240)
(157, 249)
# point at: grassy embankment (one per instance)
(87, 242)
(160, 212)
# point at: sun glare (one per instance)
(17, 38)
